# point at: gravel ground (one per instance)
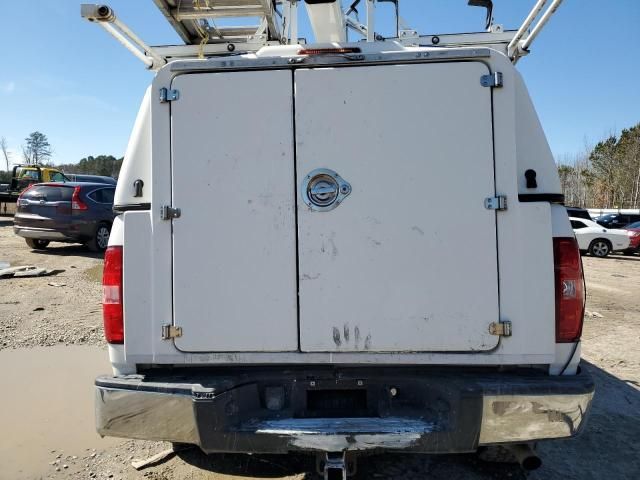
(33, 313)
(45, 311)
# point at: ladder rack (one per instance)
(209, 27)
(195, 20)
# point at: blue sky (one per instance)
(70, 80)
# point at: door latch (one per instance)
(323, 190)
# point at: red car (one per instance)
(633, 230)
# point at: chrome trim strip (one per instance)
(239, 63)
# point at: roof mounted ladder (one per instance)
(195, 20)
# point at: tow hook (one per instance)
(336, 465)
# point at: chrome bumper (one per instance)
(524, 418)
(39, 233)
(235, 420)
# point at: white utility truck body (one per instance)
(342, 247)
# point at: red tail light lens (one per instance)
(112, 296)
(76, 203)
(569, 290)
(25, 191)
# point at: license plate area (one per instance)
(337, 403)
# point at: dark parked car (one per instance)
(77, 177)
(617, 220)
(65, 212)
(633, 230)
(578, 212)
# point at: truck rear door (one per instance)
(407, 261)
(234, 250)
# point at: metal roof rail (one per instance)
(104, 16)
(195, 22)
(519, 45)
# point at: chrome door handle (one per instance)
(323, 190)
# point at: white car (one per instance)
(596, 239)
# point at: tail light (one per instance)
(19, 202)
(569, 284)
(25, 190)
(76, 203)
(633, 233)
(112, 296)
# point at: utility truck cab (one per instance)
(287, 271)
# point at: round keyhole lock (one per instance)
(323, 190)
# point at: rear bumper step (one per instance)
(276, 412)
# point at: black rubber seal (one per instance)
(541, 197)
(131, 207)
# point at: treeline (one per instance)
(106, 165)
(607, 176)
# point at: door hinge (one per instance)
(171, 331)
(168, 95)
(492, 80)
(169, 213)
(501, 329)
(498, 202)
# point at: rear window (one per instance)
(58, 177)
(634, 225)
(49, 193)
(102, 195)
(576, 225)
(27, 174)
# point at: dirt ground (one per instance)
(51, 333)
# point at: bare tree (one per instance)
(5, 152)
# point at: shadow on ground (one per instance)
(68, 250)
(626, 258)
(253, 466)
(607, 448)
(387, 466)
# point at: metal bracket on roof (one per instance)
(409, 37)
(493, 80)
